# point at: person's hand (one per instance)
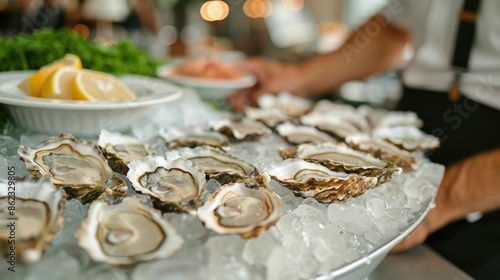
(431, 223)
(468, 186)
(272, 77)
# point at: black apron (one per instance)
(465, 128)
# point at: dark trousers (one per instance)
(465, 128)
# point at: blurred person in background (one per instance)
(453, 84)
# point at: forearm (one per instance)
(372, 48)
(472, 185)
(146, 11)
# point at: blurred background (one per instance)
(286, 30)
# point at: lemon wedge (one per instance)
(33, 84)
(58, 84)
(97, 86)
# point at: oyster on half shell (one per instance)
(270, 117)
(174, 185)
(409, 138)
(314, 180)
(38, 216)
(217, 164)
(126, 233)
(76, 165)
(241, 130)
(246, 208)
(301, 134)
(194, 137)
(120, 150)
(384, 150)
(339, 157)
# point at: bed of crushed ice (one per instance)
(311, 239)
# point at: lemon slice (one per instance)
(33, 84)
(58, 85)
(97, 86)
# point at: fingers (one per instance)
(417, 237)
(240, 99)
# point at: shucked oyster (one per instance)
(194, 137)
(126, 233)
(121, 149)
(78, 166)
(384, 150)
(300, 134)
(217, 164)
(270, 117)
(315, 180)
(240, 130)
(332, 125)
(246, 208)
(31, 216)
(347, 113)
(289, 104)
(174, 185)
(339, 157)
(407, 137)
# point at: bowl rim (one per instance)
(166, 71)
(11, 95)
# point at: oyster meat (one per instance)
(347, 113)
(314, 180)
(193, 137)
(126, 233)
(270, 117)
(77, 166)
(240, 130)
(174, 185)
(300, 134)
(246, 208)
(409, 138)
(399, 118)
(339, 157)
(121, 149)
(332, 125)
(384, 150)
(217, 164)
(38, 216)
(286, 102)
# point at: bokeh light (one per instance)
(293, 5)
(214, 10)
(257, 8)
(82, 29)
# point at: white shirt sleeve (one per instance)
(398, 13)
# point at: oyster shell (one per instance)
(332, 125)
(339, 157)
(126, 233)
(196, 136)
(300, 134)
(384, 150)
(218, 165)
(240, 130)
(290, 104)
(270, 117)
(121, 149)
(38, 216)
(399, 118)
(309, 179)
(407, 137)
(77, 166)
(174, 185)
(246, 208)
(344, 112)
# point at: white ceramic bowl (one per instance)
(81, 118)
(207, 88)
